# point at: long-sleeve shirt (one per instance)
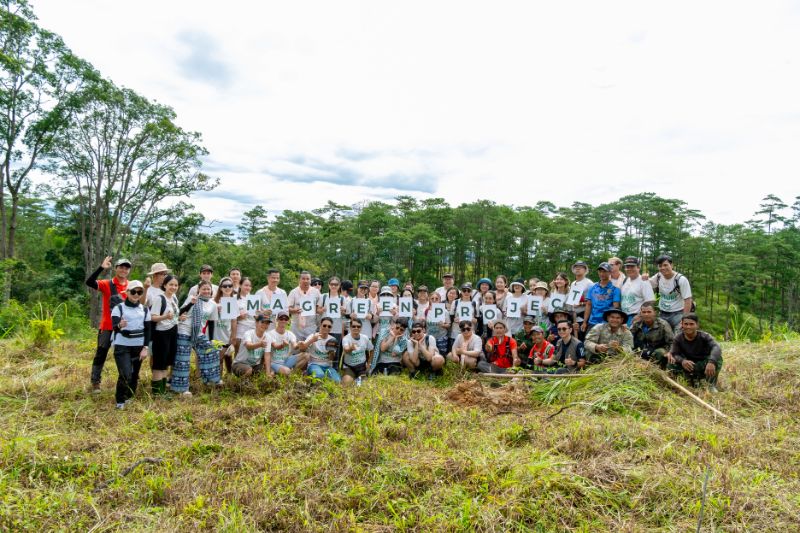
(602, 334)
(703, 346)
(103, 286)
(658, 335)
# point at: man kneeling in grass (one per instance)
(695, 353)
(254, 350)
(356, 349)
(609, 338)
(283, 343)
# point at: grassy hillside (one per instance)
(618, 451)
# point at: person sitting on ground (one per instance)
(357, 353)
(609, 338)
(652, 335)
(283, 343)
(542, 355)
(424, 356)
(131, 322)
(695, 353)
(321, 348)
(500, 352)
(391, 348)
(524, 338)
(467, 346)
(253, 354)
(570, 354)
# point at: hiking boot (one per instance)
(95, 388)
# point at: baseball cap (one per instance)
(631, 260)
(448, 275)
(604, 266)
(393, 282)
(135, 284)
(206, 268)
(122, 261)
(580, 264)
(537, 329)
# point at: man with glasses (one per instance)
(357, 350)
(113, 291)
(467, 347)
(280, 358)
(570, 355)
(424, 356)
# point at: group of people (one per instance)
(351, 331)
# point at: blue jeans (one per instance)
(323, 371)
(289, 363)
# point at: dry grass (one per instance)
(623, 452)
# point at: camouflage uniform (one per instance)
(602, 334)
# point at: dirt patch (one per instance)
(473, 393)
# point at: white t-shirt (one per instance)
(337, 320)
(266, 302)
(474, 343)
(279, 355)
(635, 292)
(366, 324)
(359, 355)
(322, 350)
(246, 323)
(303, 326)
(155, 309)
(193, 290)
(670, 300)
(619, 281)
(583, 286)
(209, 313)
(252, 357)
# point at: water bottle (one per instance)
(358, 381)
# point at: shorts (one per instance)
(355, 370)
(240, 369)
(387, 369)
(289, 363)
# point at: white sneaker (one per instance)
(120, 406)
(187, 394)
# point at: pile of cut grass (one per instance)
(617, 451)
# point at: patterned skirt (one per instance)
(207, 362)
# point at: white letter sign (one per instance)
(361, 307)
(253, 304)
(230, 308)
(574, 297)
(514, 307)
(535, 305)
(406, 307)
(463, 310)
(307, 306)
(490, 313)
(279, 302)
(385, 304)
(438, 313)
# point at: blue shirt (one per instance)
(602, 299)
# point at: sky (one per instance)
(516, 102)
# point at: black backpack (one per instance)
(115, 298)
(675, 288)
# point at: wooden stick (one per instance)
(526, 375)
(691, 395)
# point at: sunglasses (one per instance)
(283, 318)
(326, 326)
(416, 331)
(352, 326)
(563, 329)
(466, 328)
(226, 286)
(136, 291)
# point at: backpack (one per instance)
(675, 288)
(163, 308)
(115, 298)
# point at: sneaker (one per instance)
(121, 405)
(95, 388)
(713, 389)
(187, 394)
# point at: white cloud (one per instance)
(514, 102)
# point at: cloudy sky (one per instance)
(304, 102)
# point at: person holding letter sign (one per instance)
(577, 296)
(438, 325)
(303, 324)
(515, 306)
(271, 292)
(225, 328)
(363, 309)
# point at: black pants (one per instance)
(128, 365)
(100, 355)
(165, 345)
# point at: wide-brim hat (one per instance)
(613, 310)
(157, 268)
(552, 314)
(542, 285)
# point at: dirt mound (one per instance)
(472, 392)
